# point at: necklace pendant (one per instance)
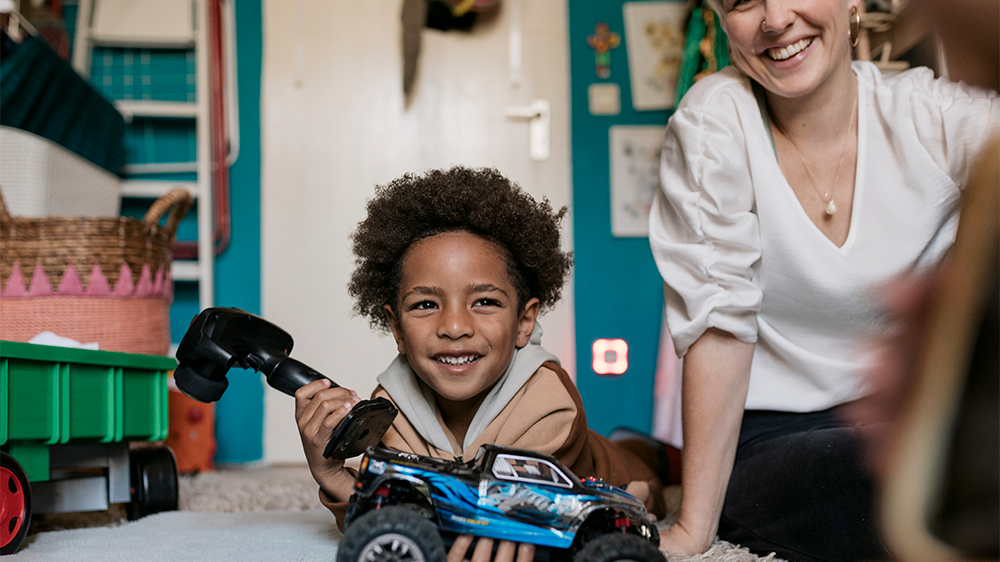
(831, 208)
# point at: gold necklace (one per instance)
(831, 207)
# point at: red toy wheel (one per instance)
(15, 509)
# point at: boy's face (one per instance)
(458, 322)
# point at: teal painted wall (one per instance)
(618, 290)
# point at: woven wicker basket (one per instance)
(104, 280)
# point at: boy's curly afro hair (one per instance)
(478, 201)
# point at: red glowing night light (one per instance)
(610, 357)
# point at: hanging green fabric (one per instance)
(42, 94)
(706, 48)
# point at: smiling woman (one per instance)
(793, 187)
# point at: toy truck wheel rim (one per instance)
(12, 506)
(392, 533)
(15, 509)
(392, 546)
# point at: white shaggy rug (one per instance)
(239, 515)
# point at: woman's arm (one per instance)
(714, 392)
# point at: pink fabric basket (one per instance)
(127, 324)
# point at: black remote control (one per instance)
(221, 338)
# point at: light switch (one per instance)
(604, 98)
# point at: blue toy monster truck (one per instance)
(407, 507)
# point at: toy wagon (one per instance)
(407, 507)
(67, 418)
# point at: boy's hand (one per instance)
(318, 411)
(507, 551)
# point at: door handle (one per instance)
(538, 115)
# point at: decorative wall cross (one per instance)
(602, 41)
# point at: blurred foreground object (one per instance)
(969, 31)
(940, 488)
(940, 497)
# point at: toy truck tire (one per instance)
(619, 548)
(392, 533)
(153, 481)
(15, 510)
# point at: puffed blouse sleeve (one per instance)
(703, 229)
(953, 121)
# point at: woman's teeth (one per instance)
(789, 51)
(457, 360)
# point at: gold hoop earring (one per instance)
(854, 25)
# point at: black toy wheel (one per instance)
(153, 481)
(15, 510)
(619, 548)
(393, 533)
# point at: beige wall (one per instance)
(334, 125)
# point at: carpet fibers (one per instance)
(244, 514)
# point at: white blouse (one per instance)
(737, 251)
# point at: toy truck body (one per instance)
(68, 417)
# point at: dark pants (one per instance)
(799, 490)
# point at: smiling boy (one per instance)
(458, 265)
(459, 322)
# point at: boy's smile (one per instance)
(458, 321)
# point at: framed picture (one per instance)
(654, 39)
(635, 176)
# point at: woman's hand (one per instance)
(678, 539)
(507, 551)
(318, 411)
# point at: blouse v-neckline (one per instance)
(758, 93)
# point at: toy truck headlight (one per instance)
(372, 466)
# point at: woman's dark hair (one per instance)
(478, 201)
